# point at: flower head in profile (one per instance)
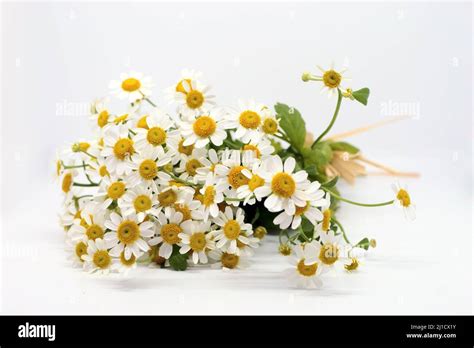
(132, 86)
(404, 201)
(306, 269)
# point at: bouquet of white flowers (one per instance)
(205, 184)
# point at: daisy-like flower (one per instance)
(177, 151)
(208, 165)
(127, 233)
(97, 169)
(122, 265)
(81, 151)
(231, 230)
(132, 86)
(153, 131)
(67, 183)
(260, 149)
(145, 166)
(285, 190)
(188, 167)
(255, 180)
(97, 259)
(227, 261)
(172, 192)
(325, 223)
(328, 250)
(331, 79)
(306, 270)
(140, 200)
(91, 225)
(168, 231)
(72, 212)
(270, 124)
(192, 95)
(204, 129)
(247, 121)
(212, 193)
(100, 113)
(75, 250)
(196, 238)
(111, 190)
(403, 200)
(118, 149)
(311, 210)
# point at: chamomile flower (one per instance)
(167, 231)
(260, 149)
(81, 151)
(285, 190)
(118, 149)
(188, 167)
(145, 166)
(97, 259)
(331, 79)
(154, 132)
(122, 265)
(172, 192)
(247, 121)
(72, 212)
(132, 86)
(212, 193)
(140, 200)
(100, 113)
(325, 224)
(111, 190)
(91, 225)
(76, 249)
(67, 183)
(227, 261)
(127, 233)
(231, 230)
(97, 169)
(328, 250)
(312, 210)
(304, 274)
(177, 151)
(247, 191)
(209, 164)
(270, 124)
(403, 200)
(192, 96)
(196, 238)
(204, 129)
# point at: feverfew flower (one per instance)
(304, 274)
(231, 230)
(132, 86)
(197, 239)
(403, 200)
(168, 231)
(203, 129)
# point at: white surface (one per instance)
(406, 53)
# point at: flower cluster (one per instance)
(198, 185)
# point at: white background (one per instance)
(415, 54)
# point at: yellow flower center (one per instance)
(192, 165)
(81, 249)
(301, 210)
(120, 119)
(142, 203)
(131, 85)
(78, 147)
(208, 196)
(142, 122)
(270, 126)
(59, 166)
(332, 78)
(94, 231)
(404, 198)
(232, 229)
(249, 147)
(102, 259)
(169, 233)
(249, 119)
(283, 185)
(128, 232)
(67, 182)
(167, 198)
(255, 182)
(326, 219)
(187, 150)
(194, 99)
(307, 270)
(229, 260)
(126, 262)
(156, 136)
(148, 169)
(183, 209)
(103, 118)
(123, 147)
(204, 126)
(236, 178)
(329, 254)
(103, 171)
(180, 86)
(197, 241)
(353, 265)
(116, 190)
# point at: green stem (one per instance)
(335, 195)
(231, 144)
(182, 181)
(336, 112)
(80, 184)
(88, 154)
(83, 196)
(342, 230)
(76, 166)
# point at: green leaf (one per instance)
(364, 244)
(343, 146)
(178, 261)
(322, 154)
(331, 183)
(361, 95)
(292, 124)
